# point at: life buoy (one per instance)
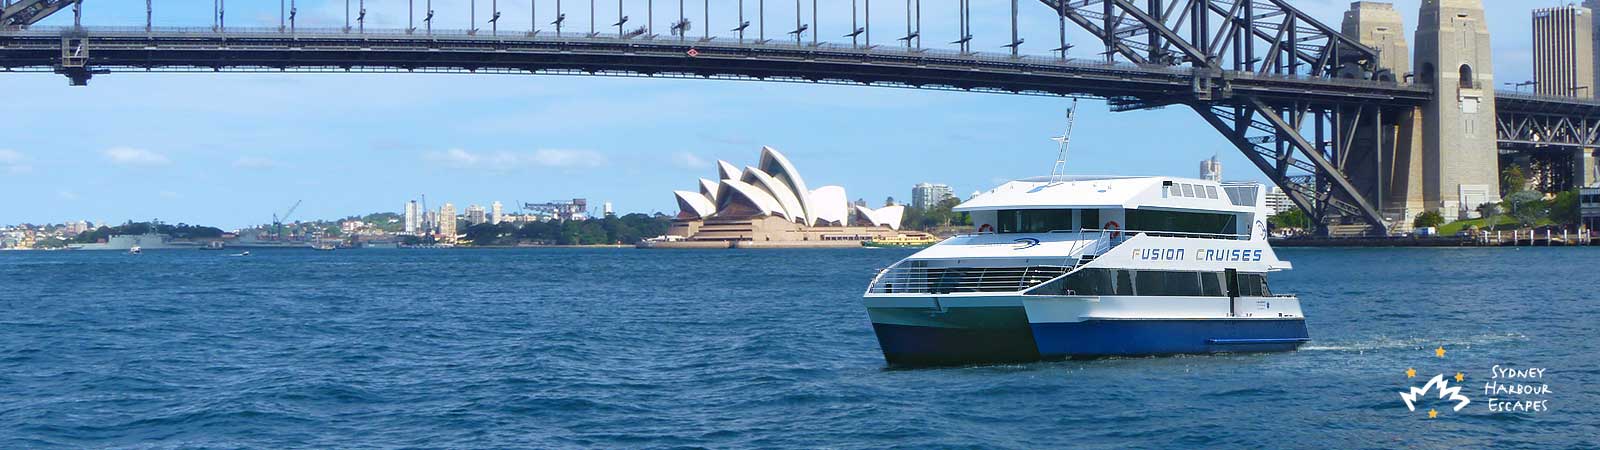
(986, 228)
(1114, 227)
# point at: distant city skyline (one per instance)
(230, 150)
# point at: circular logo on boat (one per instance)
(1026, 243)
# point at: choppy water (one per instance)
(624, 348)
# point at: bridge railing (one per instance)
(399, 35)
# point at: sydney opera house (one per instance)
(769, 205)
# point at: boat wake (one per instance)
(1388, 343)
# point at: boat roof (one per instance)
(1109, 192)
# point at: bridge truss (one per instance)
(1305, 146)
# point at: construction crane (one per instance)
(277, 222)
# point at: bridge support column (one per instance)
(1584, 165)
(1459, 143)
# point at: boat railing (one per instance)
(950, 280)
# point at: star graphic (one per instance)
(1433, 414)
(1460, 377)
(1411, 373)
(1439, 351)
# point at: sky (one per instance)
(230, 149)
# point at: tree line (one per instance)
(626, 229)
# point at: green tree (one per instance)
(1428, 219)
(1526, 207)
(1512, 180)
(1564, 208)
(1491, 215)
(1291, 218)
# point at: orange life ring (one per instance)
(986, 228)
(1113, 226)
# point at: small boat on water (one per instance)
(325, 247)
(135, 250)
(1073, 267)
(240, 255)
(906, 240)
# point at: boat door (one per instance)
(1232, 276)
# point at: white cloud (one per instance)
(551, 158)
(129, 156)
(14, 162)
(67, 195)
(255, 162)
(690, 161)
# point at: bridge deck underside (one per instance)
(141, 51)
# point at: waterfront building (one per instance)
(770, 205)
(1211, 169)
(447, 223)
(1563, 51)
(1589, 203)
(476, 215)
(925, 196)
(413, 218)
(497, 213)
(577, 209)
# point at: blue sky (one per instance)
(232, 149)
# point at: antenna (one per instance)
(1065, 139)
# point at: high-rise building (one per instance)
(1460, 155)
(497, 213)
(1278, 200)
(1211, 169)
(476, 215)
(606, 211)
(413, 218)
(447, 222)
(1563, 51)
(927, 195)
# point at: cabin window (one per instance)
(1034, 220)
(1188, 190)
(1181, 222)
(1091, 218)
(1253, 285)
(1154, 283)
(1211, 192)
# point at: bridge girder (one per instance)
(28, 12)
(1264, 37)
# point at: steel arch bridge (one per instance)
(1297, 97)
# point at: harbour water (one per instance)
(622, 349)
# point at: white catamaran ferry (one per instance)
(1089, 267)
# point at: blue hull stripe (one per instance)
(1256, 341)
(1165, 337)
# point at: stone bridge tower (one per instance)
(1393, 178)
(1460, 158)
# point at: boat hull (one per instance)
(1143, 337)
(921, 331)
(927, 332)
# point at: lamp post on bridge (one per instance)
(494, 20)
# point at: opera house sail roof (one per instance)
(775, 188)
